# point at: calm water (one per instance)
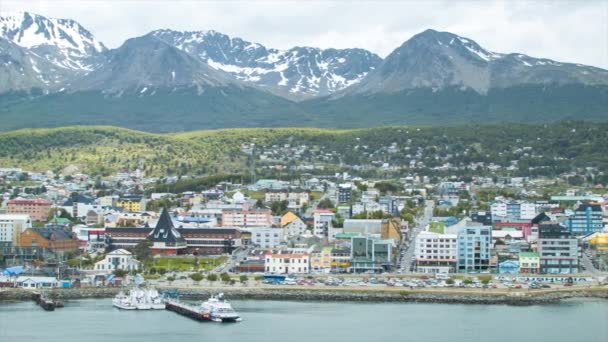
(96, 320)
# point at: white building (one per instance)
(287, 263)
(119, 259)
(436, 253)
(28, 282)
(293, 227)
(11, 227)
(266, 237)
(323, 227)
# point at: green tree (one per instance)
(120, 273)
(225, 277)
(197, 277)
(212, 277)
(325, 203)
(243, 278)
(142, 250)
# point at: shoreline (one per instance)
(449, 296)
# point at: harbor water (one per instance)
(95, 320)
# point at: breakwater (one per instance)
(339, 294)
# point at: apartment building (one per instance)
(38, 209)
(436, 253)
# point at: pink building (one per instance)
(246, 218)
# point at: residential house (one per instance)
(119, 259)
(31, 282)
(284, 263)
(56, 239)
(529, 262)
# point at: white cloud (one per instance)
(561, 30)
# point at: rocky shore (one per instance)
(339, 294)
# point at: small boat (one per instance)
(46, 303)
(139, 299)
(154, 299)
(122, 301)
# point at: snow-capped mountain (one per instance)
(53, 51)
(437, 60)
(297, 71)
(145, 63)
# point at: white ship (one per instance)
(215, 309)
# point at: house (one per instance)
(30, 282)
(287, 263)
(56, 239)
(119, 259)
(529, 262)
(292, 225)
(508, 267)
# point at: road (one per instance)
(407, 254)
(237, 256)
(586, 263)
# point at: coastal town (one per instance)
(76, 231)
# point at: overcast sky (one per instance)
(570, 31)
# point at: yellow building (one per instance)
(131, 203)
(288, 218)
(599, 243)
(320, 261)
(391, 229)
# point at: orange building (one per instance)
(38, 208)
(55, 239)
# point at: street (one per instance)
(407, 253)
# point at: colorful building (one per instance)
(38, 209)
(529, 262)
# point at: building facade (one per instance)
(247, 218)
(294, 263)
(322, 226)
(529, 262)
(11, 227)
(587, 219)
(119, 259)
(474, 243)
(37, 209)
(558, 249)
(436, 253)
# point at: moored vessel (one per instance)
(215, 309)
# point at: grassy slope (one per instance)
(104, 149)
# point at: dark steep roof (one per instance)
(165, 231)
(55, 232)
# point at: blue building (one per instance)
(474, 244)
(587, 219)
(508, 267)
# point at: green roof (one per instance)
(346, 235)
(528, 255)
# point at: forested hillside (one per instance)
(515, 149)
